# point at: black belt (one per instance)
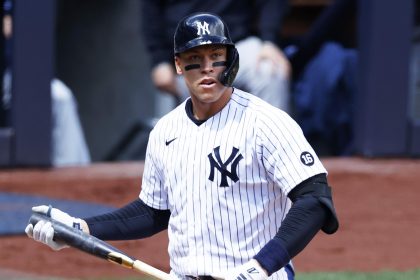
(201, 277)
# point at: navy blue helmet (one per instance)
(207, 29)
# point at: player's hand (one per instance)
(58, 215)
(270, 52)
(44, 232)
(251, 270)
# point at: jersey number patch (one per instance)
(307, 159)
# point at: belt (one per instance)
(201, 277)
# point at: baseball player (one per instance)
(231, 177)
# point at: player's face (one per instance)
(201, 67)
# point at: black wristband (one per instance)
(273, 256)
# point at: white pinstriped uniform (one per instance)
(213, 228)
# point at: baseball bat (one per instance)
(96, 247)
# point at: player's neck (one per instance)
(204, 110)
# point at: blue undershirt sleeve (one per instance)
(304, 219)
(133, 221)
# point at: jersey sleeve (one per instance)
(152, 191)
(286, 154)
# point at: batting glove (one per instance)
(44, 232)
(251, 270)
(58, 215)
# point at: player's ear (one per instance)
(178, 65)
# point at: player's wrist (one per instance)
(259, 266)
(250, 270)
(84, 226)
(273, 256)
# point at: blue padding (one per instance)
(15, 210)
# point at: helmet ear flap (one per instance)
(232, 66)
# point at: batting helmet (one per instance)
(207, 29)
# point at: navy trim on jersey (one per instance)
(289, 271)
(190, 113)
(133, 221)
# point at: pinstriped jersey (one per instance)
(225, 181)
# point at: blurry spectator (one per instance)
(5, 27)
(254, 27)
(335, 23)
(68, 142)
(324, 62)
(69, 145)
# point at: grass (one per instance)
(383, 275)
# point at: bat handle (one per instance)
(150, 270)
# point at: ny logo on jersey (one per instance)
(203, 28)
(217, 163)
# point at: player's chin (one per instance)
(209, 96)
(206, 98)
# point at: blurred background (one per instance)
(93, 54)
(76, 90)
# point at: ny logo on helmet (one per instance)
(203, 28)
(221, 166)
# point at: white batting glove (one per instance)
(58, 215)
(44, 232)
(250, 270)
